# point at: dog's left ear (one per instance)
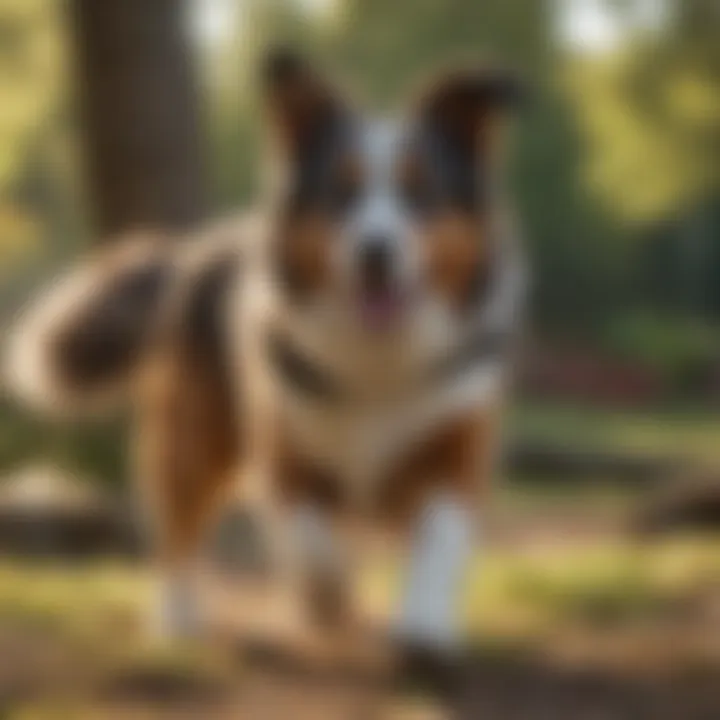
(302, 105)
(470, 106)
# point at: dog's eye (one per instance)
(344, 195)
(417, 194)
(346, 185)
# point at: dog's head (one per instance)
(375, 213)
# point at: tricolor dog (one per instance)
(342, 351)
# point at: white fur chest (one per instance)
(360, 440)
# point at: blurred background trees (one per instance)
(616, 171)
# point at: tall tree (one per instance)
(139, 113)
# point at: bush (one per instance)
(92, 450)
(684, 352)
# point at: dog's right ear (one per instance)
(301, 104)
(465, 104)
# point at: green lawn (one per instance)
(514, 595)
(530, 594)
(684, 432)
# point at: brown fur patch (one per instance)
(95, 322)
(467, 103)
(300, 102)
(413, 175)
(301, 479)
(189, 440)
(304, 252)
(459, 457)
(455, 254)
(188, 444)
(349, 170)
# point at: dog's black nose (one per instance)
(376, 263)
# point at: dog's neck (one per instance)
(337, 367)
(319, 344)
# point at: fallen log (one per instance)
(685, 505)
(540, 462)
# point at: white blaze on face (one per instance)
(380, 214)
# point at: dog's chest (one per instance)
(387, 407)
(361, 441)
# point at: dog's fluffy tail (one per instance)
(79, 345)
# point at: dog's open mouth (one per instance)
(381, 309)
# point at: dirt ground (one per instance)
(590, 632)
(47, 677)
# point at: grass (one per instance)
(555, 586)
(684, 432)
(529, 597)
(71, 599)
(538, 601)
(609, 582)
(522, 497)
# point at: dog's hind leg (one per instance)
(187, 450)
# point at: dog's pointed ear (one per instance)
(468, 105)
(301, 104)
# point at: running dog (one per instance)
(342, 351)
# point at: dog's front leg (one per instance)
(308, 590)
(443, 544)
(445, 533)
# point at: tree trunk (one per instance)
(139, 114)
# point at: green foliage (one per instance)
(91, 450)
(30, 75)
(31, 83)
(385, 46)
(685, 354)
(39, 199)
(651, 114)
(666, 431)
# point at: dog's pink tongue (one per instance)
(379, 310)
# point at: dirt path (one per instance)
(44, 674)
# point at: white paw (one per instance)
(176, 612)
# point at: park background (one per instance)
(614, 439)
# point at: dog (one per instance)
(342, 351)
